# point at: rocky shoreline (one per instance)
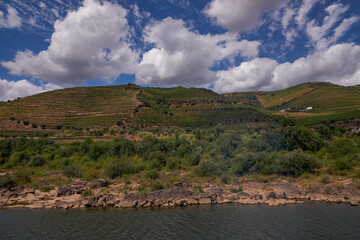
(100, 193)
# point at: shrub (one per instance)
(36, 161)
(152, 174)
(157, 186)
(342, 163)
(72, 171)
(7, 180)
(325, 179)
(194, 159)
(18, 158)
(173, 163)
(118, 168)
(58, 127)
(207, 168)
(155, 164)
(287, 122)
(324, 131)
(12, 118)
(236, 190)
(225, 178)
(34, 125)
(297, 163)
(26, 123)
(23, 175)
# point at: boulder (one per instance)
(100, 183)
(205, 200)
(65, 191)
(272, 195)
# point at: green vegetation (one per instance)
(206, 154)
(155, 136)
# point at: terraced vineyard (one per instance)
(76, 106)
(181, 107)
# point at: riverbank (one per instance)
(100, 193)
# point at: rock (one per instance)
(65, 191)
(329, 190)
(271, 195)
(258, 197)
(283, 195)
(98, 183)
(214, 191)
(205, 200)
(28, 191)
(17, 190)
(178, 184)
(354, 203)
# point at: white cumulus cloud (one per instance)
(240, 15)
(90, 43)
(10, 90)
(339, 64)
(183, 57)
(11, 19)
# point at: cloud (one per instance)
(183, 57)
(90, 43)
(287, 17)
(250, 75)
(339, 64)
(240, 15)
(304, 9)
(317, 33)
(11, 20)
(10, 90)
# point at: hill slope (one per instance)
(131, 104)
(181, 107)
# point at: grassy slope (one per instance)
(76, 106)
(275, 98)
(83, 107)
(330, 102)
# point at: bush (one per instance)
(7, 180)
(343, 163)
(194, 159)
(225, 178)
(325, 179)
(287, 122)
(12, 118)
(173, 163)
(207, 168)
(36, 161)
(72, 171)
(26, 123)
(297, 163)
(58, 127)
(118, 168)
(157, 186)
(236, 190)
(34, 125)
(23, 175)
(152, 174)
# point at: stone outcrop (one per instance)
(100, 194)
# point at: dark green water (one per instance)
(307, 221)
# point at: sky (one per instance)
(223, 45)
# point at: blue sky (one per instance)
(225, 45)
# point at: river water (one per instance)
(304, 221)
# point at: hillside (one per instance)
(130, 104)
(329, 102)
(94, 107)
